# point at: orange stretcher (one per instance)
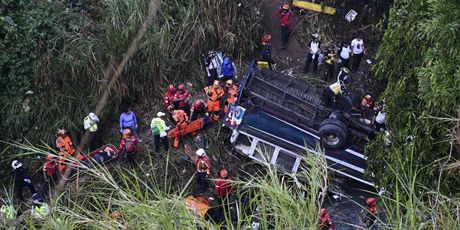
(314, 7)
(198, 205)
(190, 127)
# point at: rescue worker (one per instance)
(181, 120)
(168, 98)
(159, 128)
(50, 169)
(358, 50)
(199, 108)
(329, 57)
(345, 52)
(366, 106)
(379, 117)
(344, 75)
(211, 65)
(229, 70)
(39, 208)
(222, 185)
(181, 99)
(7, 212)
(232, 94)
(285, 22)
(128, 120)
(203, 170)
(331, 92)
(90, 124)
(128, 144)
(325, 222)
(314, 47)
(21, 179)
(370, 215)
(214, 93)
(266, 56)
(66, 150)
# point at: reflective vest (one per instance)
(89, 124)
(159, 124)
(330, 57)
(180, 116)
(232, 94)
(213, 93)
(336, 88)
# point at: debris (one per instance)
(351, 15)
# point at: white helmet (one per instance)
(93, 117)
(200, 153)
(16, 164)
(160, 114)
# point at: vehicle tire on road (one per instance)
(333, 133)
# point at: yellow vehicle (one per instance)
(314, 7)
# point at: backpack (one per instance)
(156, 130)
(227, 69)
(129, 145)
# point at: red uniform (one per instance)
(232, 96)
(128, 144)
(50, 168)
(325, 222)
(182, 97)
(203, 164)
(169, 98)
(285, 17)
(223, 186)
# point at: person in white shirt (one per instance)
(345, 52)
(357, 47)
(314, 47)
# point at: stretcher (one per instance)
(186, 128)
(99, 156)
(197, 205)
(315, 7)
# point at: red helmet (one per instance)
(181, 87)
(61, 132)
(371, 201)
(323, 210)
(171, 87)
(223, 173)
(126, 132)
(49, 157)
(285, 6)
(197, 104)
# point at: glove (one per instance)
(28, 181)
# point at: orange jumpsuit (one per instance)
(232, 96)
(214, 96)
(180, 117)
(65, 146)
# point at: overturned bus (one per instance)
(278, 119)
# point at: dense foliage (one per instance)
(54, 58)
(419, 57)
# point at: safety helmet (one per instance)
(226, 61)
(61, 131)
(229, 82)
(323, 210)
(126, 132)
(216, 83)
(171, 87)
(49, 157)
(285, 6)
(315, 35)
(160, 114)
(181, 87)
(37, 199)
(197, 104)
(16, 164)
(266, 38)
(368, 97)
(200, 152)
(371, 201)
(211, 53)
(93, 117)
(223, 173)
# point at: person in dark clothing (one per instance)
(266, 54)
(211, 64)
(314, 47)
(21, 179)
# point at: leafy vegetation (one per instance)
(419, 58)
(57, 61)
